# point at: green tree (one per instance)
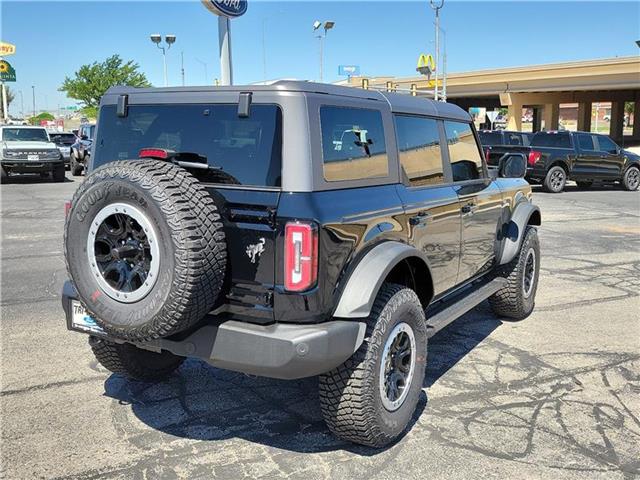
(90, 82)
(10, 97)
(42, 116)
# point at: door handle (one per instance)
(419, 218)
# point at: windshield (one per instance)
(489, 139)
(245, 151)
(63, 138)
(24, 135)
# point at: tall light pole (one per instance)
(21, 104)
(182, 66)
(170, 39)
(321, 36)
(436, 5)
(206, 70)
(444, 67)
(33, 95)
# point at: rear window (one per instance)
(554, 140)
(242, 151)
(419, 148)
(489, 139)
(586, 142)
(353, 146)
(63, 138)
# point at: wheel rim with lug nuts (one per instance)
(529, 277)
(557, 179)
(633, 178)
(123, 251)
(397, 366)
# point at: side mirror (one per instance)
(512, 165)
(84, 137)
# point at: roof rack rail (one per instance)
(390, 87)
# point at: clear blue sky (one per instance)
(384, 37)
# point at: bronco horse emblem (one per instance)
(254, 251)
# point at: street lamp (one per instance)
(328, 25)
(157, 39)
(33, 95)
(436, 5)
(206, 70)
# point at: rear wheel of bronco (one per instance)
(631, 179)
(371, 397)
(75, 167)
(517, 299)
(555, 180)
(134, 362)
(145, 249)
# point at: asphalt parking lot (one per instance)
(554, 396)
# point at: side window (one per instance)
(419, 148)
(466, 162)
(514, 139)
(607, 145)
(353, 146)
(585, 142)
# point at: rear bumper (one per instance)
(286, 351)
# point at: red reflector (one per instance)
(67, 208)
(153, 153)
(300, 256)
(534, 157)
(486, 154)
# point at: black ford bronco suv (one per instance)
(294, 230)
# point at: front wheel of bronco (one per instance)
(517, 298)
(133, 362)
(371, 398)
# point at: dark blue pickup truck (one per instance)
(555, 157)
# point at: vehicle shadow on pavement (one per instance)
(201, 402)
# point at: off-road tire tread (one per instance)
(129, 361)
(507, 302)
(75, 167)
(196, 232)
(348, 408)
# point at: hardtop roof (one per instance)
(403, 103)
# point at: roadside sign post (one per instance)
(349, 71)
(7, 74)
(492, 115)
(225, 10)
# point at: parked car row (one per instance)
(557, 156)
(32, 149)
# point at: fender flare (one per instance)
(359, 294)
(513, 231)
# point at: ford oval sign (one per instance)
(226, 8)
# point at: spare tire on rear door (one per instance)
(145, 249)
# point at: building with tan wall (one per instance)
(542, 88)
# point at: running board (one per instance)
(462, 306)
